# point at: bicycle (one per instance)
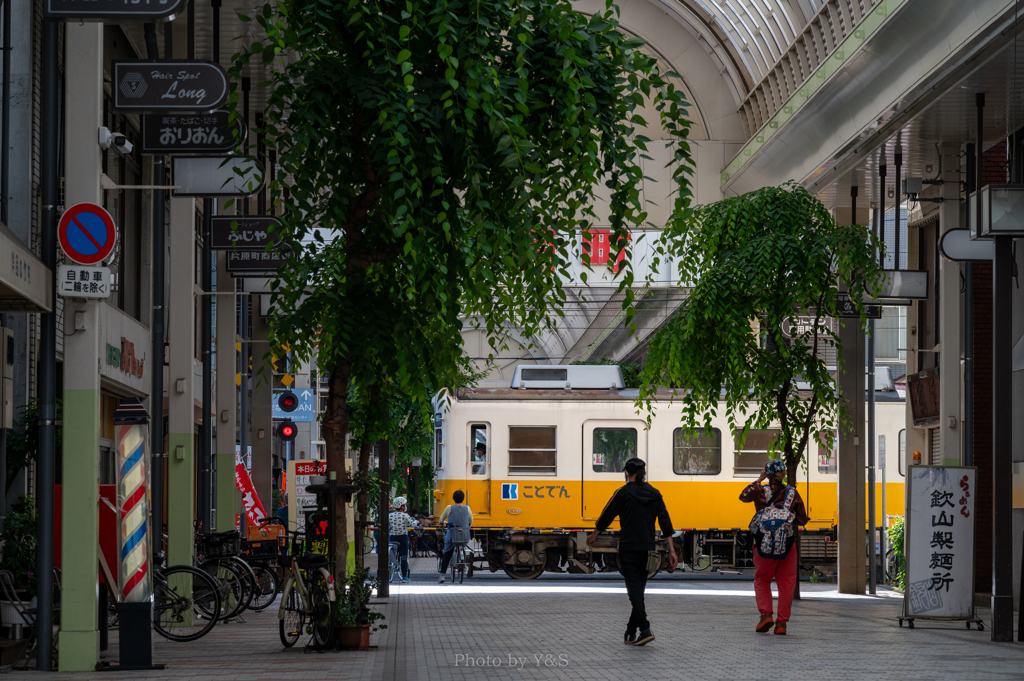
(394, 562)
(217, 555)
(460, 537)
(300, 600)
(186, 601)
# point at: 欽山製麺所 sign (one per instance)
(171, 133)
(244, 233)
(111, 10)
(186, 86)
(940, 542)
(83, 281)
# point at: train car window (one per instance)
(700, 455)
(438, 448)
(827, 455)
(751, 458)
(613, 447)
(532, 450)
(478, 448)
(903, 452)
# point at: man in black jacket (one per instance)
(636, 504)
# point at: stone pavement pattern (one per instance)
(503, 630)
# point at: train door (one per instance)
(607, 445)
(478, 469)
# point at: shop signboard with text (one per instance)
(187, 86)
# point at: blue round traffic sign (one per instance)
(86, 233)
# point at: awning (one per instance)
(26, 284)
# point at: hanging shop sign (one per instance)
(957, 245)
(209, 176)
(940, 543)
(111, 10)
(242, 233)
(210, 133)
(25, 282)
(253, 263)
(83, 281)
(846, 309)
(902, 284)
(86, 233)
(124, 358)
(186, 86)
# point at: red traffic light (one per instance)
(287, 431)
(288, 401)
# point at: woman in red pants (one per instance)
(774, 532)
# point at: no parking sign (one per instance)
(86, 233)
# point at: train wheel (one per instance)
(524, 573)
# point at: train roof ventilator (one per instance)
(568, 377)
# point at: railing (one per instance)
(836, 20)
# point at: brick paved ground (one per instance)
(572, 629)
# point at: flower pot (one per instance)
(9, 615)
(355, 637)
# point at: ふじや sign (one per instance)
(243, 233)
(187, 86)
(86, 233)
(111, 10)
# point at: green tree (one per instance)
(762, 271)
(437, 159)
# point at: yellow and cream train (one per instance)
(539, 460)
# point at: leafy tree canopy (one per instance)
(762, 271)
(436, 161)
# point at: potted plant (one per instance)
(19, 556)
(355, 620)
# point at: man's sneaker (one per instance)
(630, 638)
(645, 637)
(406, 579)
(440, 580)
(765, 624)
(780, 628)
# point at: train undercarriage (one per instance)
(527, 554)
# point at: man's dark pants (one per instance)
(633, 566)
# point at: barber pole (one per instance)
(131, 423)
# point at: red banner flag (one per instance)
(253, 508)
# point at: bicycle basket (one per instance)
(263, 549)
(460, 535)
(222, 544)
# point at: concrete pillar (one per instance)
(181, 334)
(852, 480)
(949, 314)
(79, 637)
(226, 497)
(260, 406)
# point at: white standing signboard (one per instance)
(939, 543)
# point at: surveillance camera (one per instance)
(116, 140)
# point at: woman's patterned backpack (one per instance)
(772, 526)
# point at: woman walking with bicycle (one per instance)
(456, 515)
(400, 523)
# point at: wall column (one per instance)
(949, 315)
(181, 336)
(260, 406)
(226, 497)
(79, 638)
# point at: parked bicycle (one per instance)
(307, 595)
(217, 554)
(186, 601)
(460, 560)
(394, 562)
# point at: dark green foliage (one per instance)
(19, 551)
(23, 441)
(752, 265)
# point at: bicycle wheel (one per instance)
(249, 583)
(293, 623)
(229, 581)
(186, 602)
(392, 563)
(462, 563)
(266, 588)
(322, 615)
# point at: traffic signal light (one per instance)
(408, 470)
(287, 431)
(288, 401)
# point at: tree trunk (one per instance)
(792, 469)
(363, 504)
(336, 427)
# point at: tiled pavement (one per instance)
(497, 629)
